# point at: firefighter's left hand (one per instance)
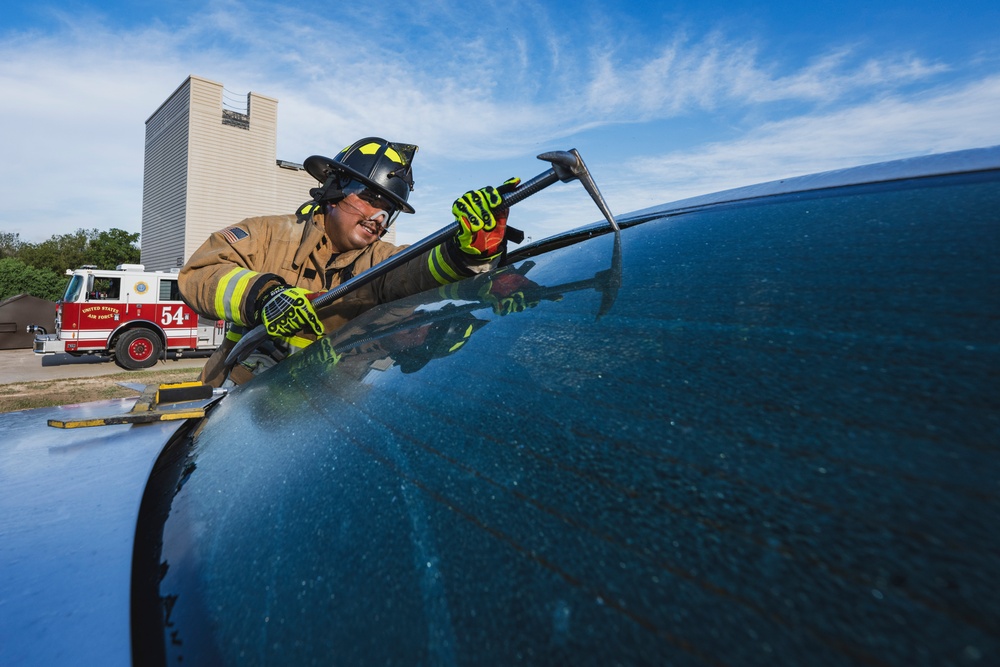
(483, 219)
(510, 292)
(285, 311)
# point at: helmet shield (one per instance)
(382, 168)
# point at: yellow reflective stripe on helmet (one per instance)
(229, 294)
(438, 265)
(373, 148)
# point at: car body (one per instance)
(755, 427)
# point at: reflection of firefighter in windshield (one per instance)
(439, 339)
(424, 336)
(410, 339)
(506, 292)
(400, 336)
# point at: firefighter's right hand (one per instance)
(286, 311)
(482, 220)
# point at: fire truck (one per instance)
(130, 314)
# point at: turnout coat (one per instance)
(225, 276)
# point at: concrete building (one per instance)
(210, 161)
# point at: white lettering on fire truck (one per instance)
(176, 317)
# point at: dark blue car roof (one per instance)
(748, 430)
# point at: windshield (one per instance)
(764, 431)
(73, 288)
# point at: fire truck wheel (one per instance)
(137, 348)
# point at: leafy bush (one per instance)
(16, 277)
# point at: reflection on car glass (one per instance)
(409, 338)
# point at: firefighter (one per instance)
(265, 269)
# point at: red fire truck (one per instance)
(135, 316)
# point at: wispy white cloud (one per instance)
(945, 119)
(689, 76)
(834, 76)
(501, 88)
(72, 109)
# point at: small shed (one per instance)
(17, 312)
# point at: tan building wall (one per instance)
(208, 167)
(210, 162)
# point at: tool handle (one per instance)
(383, 267)
(528, 188)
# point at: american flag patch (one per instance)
(234, 234)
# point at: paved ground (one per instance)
(20, 365)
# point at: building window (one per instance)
(235, 110)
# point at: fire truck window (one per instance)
(106, 288)
(169, 291)
(73, 289)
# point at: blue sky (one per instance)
(664, 100)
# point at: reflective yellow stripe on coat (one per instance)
(230, 292)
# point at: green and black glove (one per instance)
(285, 311)
(483, 219)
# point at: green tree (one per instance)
(103, 249)
(10, 244)
(16, 277)
(61, 252)
(107, 250)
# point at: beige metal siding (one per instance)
(202, 174)
(164, 185)
(230, 169)
(292, 185)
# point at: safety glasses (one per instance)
(372, 198)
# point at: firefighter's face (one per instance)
(353, 223)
